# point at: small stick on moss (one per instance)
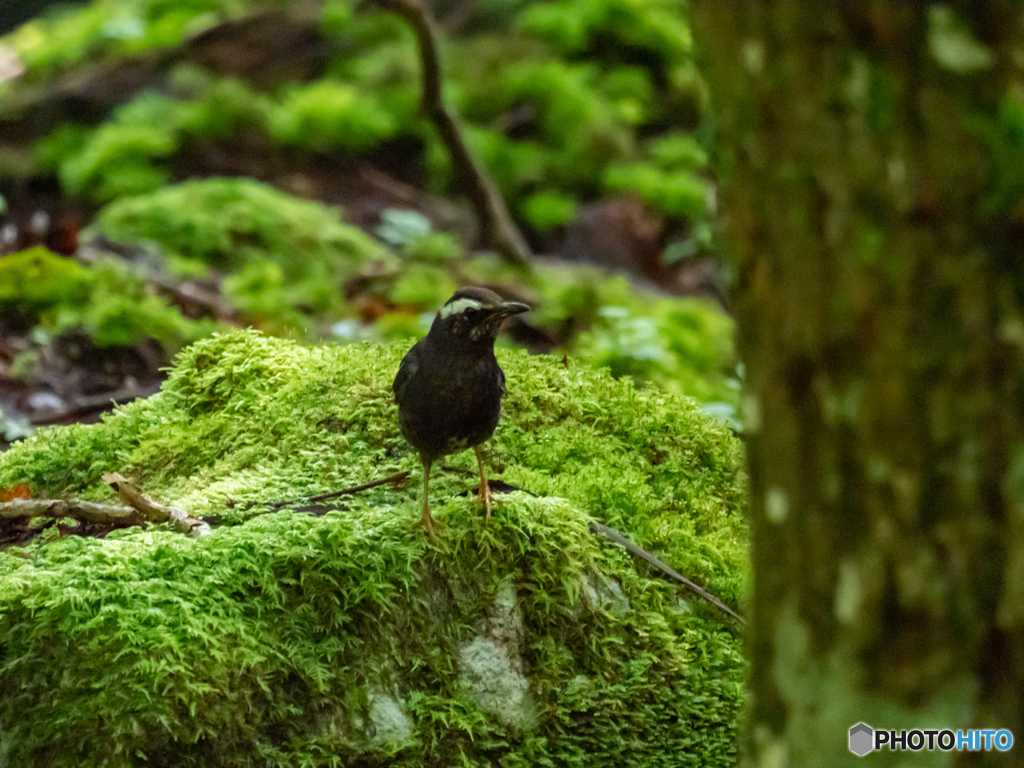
(158, 513)
(496, 226)
(621, 540)
(86, 511)
(393, 479)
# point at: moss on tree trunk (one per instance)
(873, 164)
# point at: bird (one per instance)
(449, 386)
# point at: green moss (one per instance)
(119, 158)
(288, 257)
(36, 279)
(108, 301)
(68, 36)
(326, 115)
(349, 639)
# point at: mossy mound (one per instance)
(350, 639)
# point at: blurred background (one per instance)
(171, 168)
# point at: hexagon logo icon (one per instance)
(862, 739)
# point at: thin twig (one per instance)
(496, 226)
(394, 479)
(130, 494)
(621, 540)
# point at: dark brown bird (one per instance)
(449, 386)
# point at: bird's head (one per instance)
(474, 315)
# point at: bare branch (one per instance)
(394, 479)
(496, 226)
(86, 511)
(157, 513)
(621, 540)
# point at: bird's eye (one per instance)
(470, 313)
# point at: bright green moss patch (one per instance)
(684, 346)
(328, 115)
(286, 257)
(109, 301)
(349, 639)
(54, 42)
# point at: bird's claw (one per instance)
(485, 497)
(429, 523)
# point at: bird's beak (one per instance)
(510, 308)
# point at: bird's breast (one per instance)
(451, 403)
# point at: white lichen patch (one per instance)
(494, 680)
(491, 667)
(390, 726)
(606, 595)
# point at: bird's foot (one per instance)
(429, 523)
(485, 497)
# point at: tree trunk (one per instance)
(872, 159)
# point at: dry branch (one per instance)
(392, 479)
(496, 226)
(157, 513)
(622, 541)
(86, 511)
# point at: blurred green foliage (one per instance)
(681, 345)
(545, 211)
(215, 108)
(284, 259)
(411, 233)
(71, 36)
(121, 157)
(668, 180)
(555, 97)
(1004, 137)
(108, 301)
(580, 26)
(329, 115)
(563, 101)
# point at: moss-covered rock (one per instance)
(350, 638)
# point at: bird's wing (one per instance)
(501, 381)
(406, 371)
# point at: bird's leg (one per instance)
(485, 489)
(426, 519)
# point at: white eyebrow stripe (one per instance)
(461, 305)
